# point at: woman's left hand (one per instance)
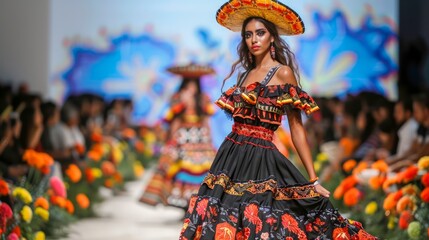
(321, 190)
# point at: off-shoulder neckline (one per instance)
(270, 85)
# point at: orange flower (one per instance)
(410, 174)
(108, 183)
(74, 173)
(349, 182)
(39, 160)
(224, 231)
(381, 166)
(360, 167)
(41, 202)
(98, 147)
(118, 177)
(128, 133)
(79, 148)
(82, 200)
(58, 201)
(389, 182)
(339, 192)
(348, 145)
(425, 180)
(349, 165)
(139, 146)
(351, 197)
(376, 182)
(405, 219)
(4, 188)
(89, 176)
(410, 189)
(405, 203)
(96, 137)
(108, 168)
(69, 207)
(424, 195)
(94, 155)
(390, 202)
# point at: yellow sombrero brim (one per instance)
(233, 13)
(191, 70)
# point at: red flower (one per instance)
(424, 195)
(288, 220)
(17, 231)
(224, 231)
(410, 173)
(251, 213)
(202, 207)
(192, 204)
(289, 238)
(258, 225)
(271, 221)
(5, 211)
(291, 224)
(341, 234)
(425, 180)
(309, 227)
(405, 219)
(4, 188)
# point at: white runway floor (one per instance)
(123, 217)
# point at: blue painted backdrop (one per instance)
(347, 48)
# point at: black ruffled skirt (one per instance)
(253, 192)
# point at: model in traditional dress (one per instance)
(252, 190)
(189, 151)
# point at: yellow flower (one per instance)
(117, 154)
(96, 172)
(138, 169)
(42, 213)
(39, 235)
(392, 223)
(150, 137)
(317, 166)
(371, 208)
(423, 163)
(26, 214)
(322, 157)
(23, 195)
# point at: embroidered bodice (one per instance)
(260, 104)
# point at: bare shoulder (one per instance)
(285, 75)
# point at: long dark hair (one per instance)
(198, 96)
(283, 53)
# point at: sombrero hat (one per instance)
(191, 70)
(233, 13)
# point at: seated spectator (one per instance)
(420, 145)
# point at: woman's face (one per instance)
(257, 37)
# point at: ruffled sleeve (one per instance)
(295, 97)
(225, 102)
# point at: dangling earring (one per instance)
(250, 57)
(273, 51)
